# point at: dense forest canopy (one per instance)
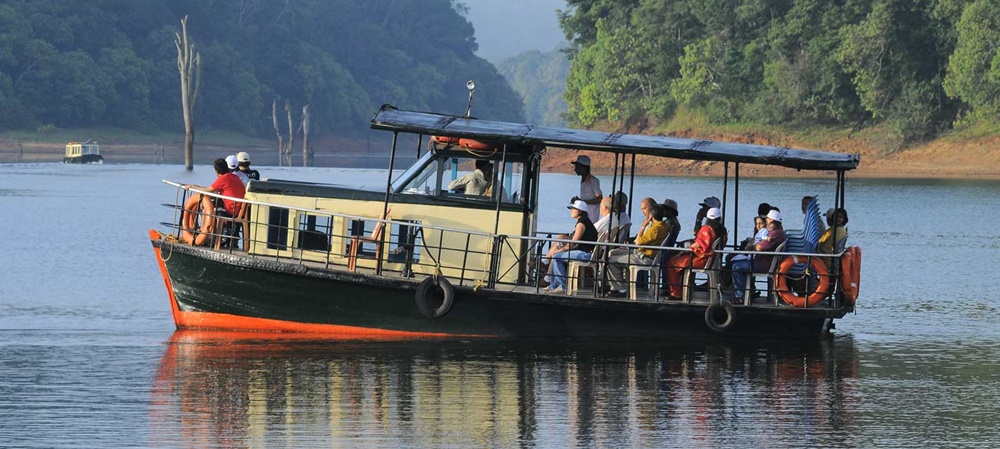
(917, 66)
(72, 63)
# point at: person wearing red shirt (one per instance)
(226, 184)
(701, 252)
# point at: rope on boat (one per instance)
(163, 242)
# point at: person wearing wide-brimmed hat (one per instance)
(584, 236)
(760, 262)
(590, 186)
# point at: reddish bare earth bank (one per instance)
(977, 158)
(943, 158)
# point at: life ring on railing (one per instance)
(445, 140)
(720, 316)
(188, 220)
(427, 305)
(818, 267)
(850, 267)
(473, 144)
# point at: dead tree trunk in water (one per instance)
(189, 66)
(291, 133)
(277, 130)
(306, 152)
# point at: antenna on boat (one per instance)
(471, 85)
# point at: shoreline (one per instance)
(972, 162)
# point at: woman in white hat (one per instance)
(584, 236)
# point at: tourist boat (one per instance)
(415, 260)
(83, 153)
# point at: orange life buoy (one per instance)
(850, 267)
(445, 139)
(818, 268)
(473, 144)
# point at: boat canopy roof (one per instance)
(390, 118)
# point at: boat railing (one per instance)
(411, 249)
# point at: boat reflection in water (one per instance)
(247, 389)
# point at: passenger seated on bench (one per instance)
(673, 224)
(759, 263)
(226, 184)
(701, 252)
(476, 183)
(833, 237)
(610, 220)
(584, 236)
(654, 233)
(759, 231)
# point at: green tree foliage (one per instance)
(910, 64)
(974, 67)
(111, 62)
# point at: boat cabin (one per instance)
(86, 152)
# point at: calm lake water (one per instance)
(89, 356)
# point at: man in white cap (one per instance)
(244, 160)
(760, 263)
(233, 168)
(590, 186)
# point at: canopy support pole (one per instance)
(385, 204)
(736, 203)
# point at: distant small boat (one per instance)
(83, 153)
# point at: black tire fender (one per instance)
(714, 312)
(424, 303)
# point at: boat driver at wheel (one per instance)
(226, 184)
(476, 183)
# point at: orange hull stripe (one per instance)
(155, 235)
(222, 321)
(210, 320)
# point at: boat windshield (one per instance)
(446, 175)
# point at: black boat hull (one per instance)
(85, 159)
(214, 290)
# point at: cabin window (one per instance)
(428, 180)
(277, 228)
(314, 232)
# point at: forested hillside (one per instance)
(915, 67)
(73, 63)
(540, 79)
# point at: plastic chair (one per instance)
(577, 268)
(652, 270)
(713, 268)
(227, 233)
(771, 276)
